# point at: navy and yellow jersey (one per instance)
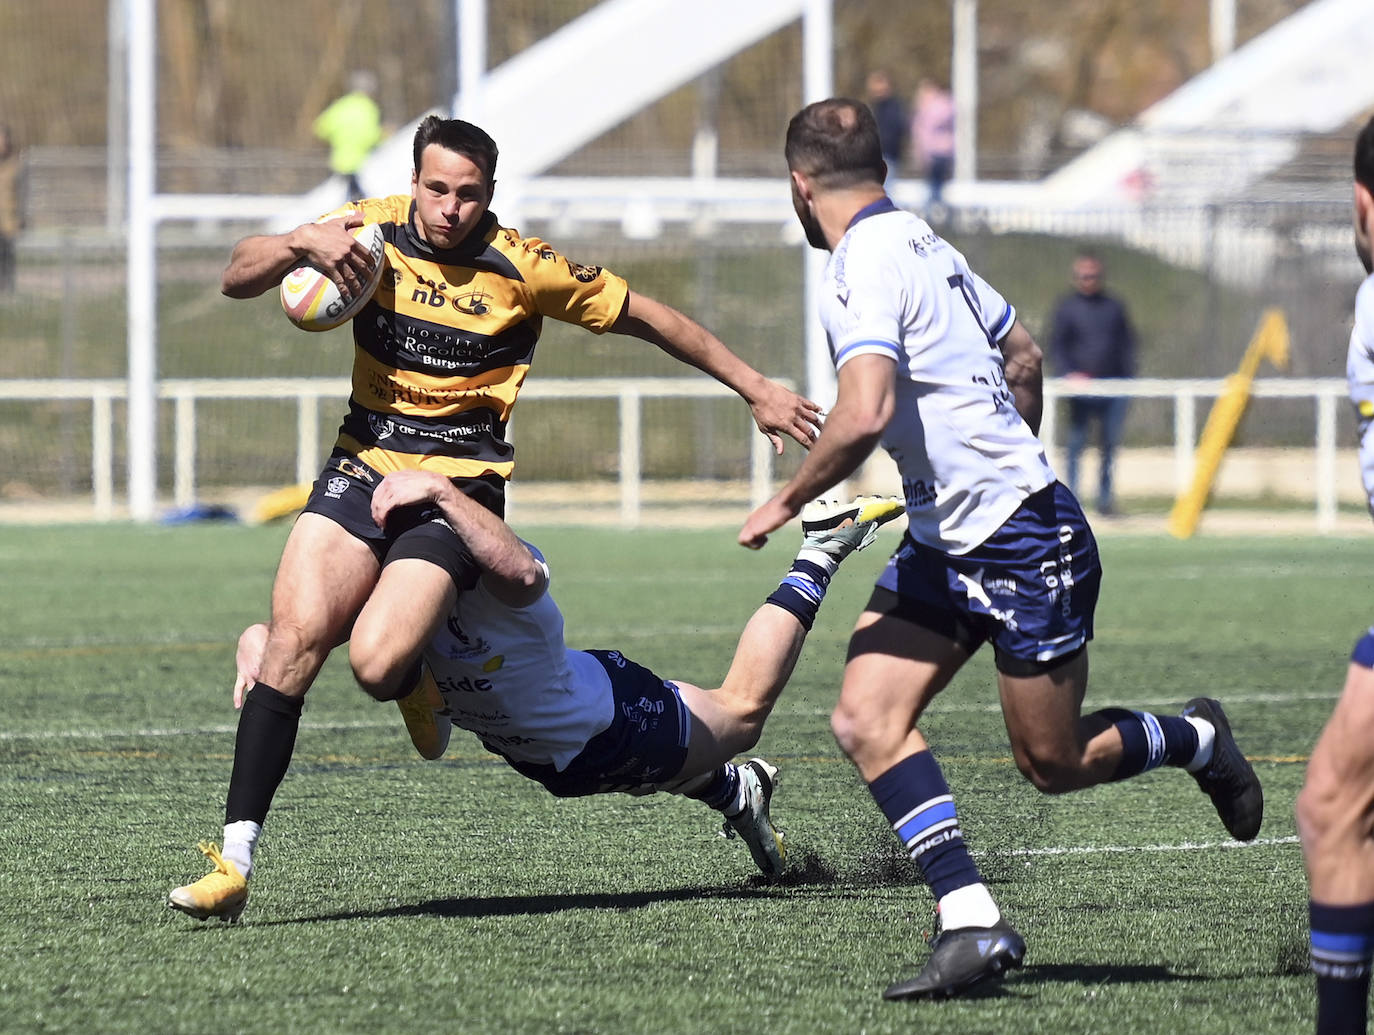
(441, 350)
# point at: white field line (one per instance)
(191, 731)
(936, 709)
(1065, 850)
(1102, 698)
(1186, 846)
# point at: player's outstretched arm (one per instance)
(864, 403)
(258, 263)
(1024, 365)
(509, 571)
(777, 410)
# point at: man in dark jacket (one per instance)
(1091, 337)
(892, 122)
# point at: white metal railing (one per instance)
(307, 393)
(630, 392)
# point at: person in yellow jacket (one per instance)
(352, 125)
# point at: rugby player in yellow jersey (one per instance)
(440, 353)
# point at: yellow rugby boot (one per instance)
(221, 893)
(426, 717)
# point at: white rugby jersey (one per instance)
(1359, 375)
(895, 288)
(507, 676)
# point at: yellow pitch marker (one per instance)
(1270, 342)
(279, 504)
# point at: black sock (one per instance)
(262, 752)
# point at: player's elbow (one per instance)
(1024, 359)
(233, 286)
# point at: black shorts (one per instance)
(343, 493)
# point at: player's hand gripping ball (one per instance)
(314, 303)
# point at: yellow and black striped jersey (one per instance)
(441, 350)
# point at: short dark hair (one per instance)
(835, 142)
(472, 142)
(1364, 156)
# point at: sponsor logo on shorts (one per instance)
(978, 594)
(353, 469)
(1058, 574)
(336, 487)
(643, 714)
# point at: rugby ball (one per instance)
(312, 301)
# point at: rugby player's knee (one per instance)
(1050, 772)
(857, 733)
(293, 650)
(1320, 807)
(378, 671)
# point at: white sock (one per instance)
(741, 799)
(820, 559)
(240, 839)
(969, 906)
(1206, 737)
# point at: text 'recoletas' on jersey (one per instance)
(441, 350)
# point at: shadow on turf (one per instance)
(1101, 974)
(803, 868)
(527, 905)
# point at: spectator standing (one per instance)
(352, 125)
(890, 115)
(1090, 338)
(11, 209)
(932, 135)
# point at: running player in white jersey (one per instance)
(1337, 800)
(580, 722)
(933, 365)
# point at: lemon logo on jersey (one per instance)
(583, 274)
(474, 303)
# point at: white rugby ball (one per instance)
(312, 301)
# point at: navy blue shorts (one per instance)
(1031, 588)
(343, 493)
(645, 744)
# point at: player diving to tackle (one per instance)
(933, 364)
(583, 722)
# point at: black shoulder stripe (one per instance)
(476, 253)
